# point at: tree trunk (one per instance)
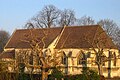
(100, 69)
(44, 74)
(109, 64)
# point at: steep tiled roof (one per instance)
(20, 37)
(72, 37)
(85, 37)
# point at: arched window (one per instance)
(69, 54)
(88, 54)
(114, 56)
(20, 59)
(64, 58)
(31, 59)
(81, 59)
(21, 56)
(38, 60)
(104, 59)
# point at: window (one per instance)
(38, 60)
(82, 59)
(79, 61)
(70, 54)
(112, 55)
(114, 61)
(20, 59)
(64, 58)
(21, 56)
(31, 59)
(88, 54)
(103, 64)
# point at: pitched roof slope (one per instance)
(22, 38)
(72, 37)
(85, 37)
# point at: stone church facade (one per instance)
(76, 44)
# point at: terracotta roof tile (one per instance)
(85, 37)
(19, 37)
(72, 37)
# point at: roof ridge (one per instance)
(59, 36)
(59, 27)
(75, 38)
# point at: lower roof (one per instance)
(8, 54)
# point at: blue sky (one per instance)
(15, 13)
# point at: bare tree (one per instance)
(4, 36)
(48, 59)
(85, 20)
(109, 26)
(117, 38)
(111, 29)
(51, 16)
(67, 17)
(46, 18)
(98, 45)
